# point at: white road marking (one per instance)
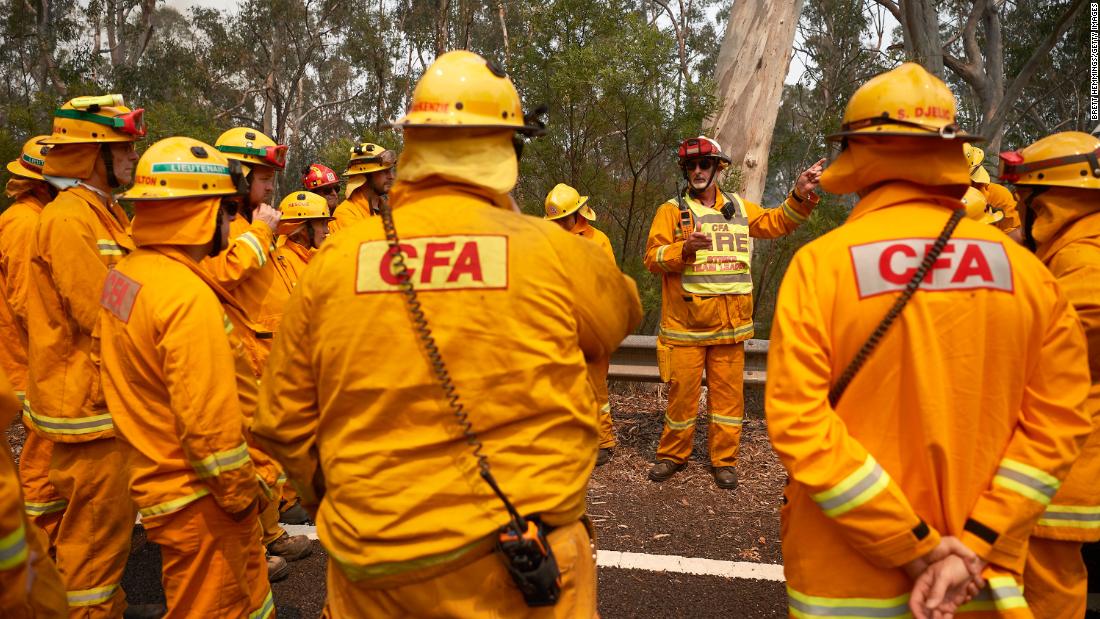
(689, 565)
(650, 563)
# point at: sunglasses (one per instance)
(328, 189)
(130, 123)
(702, 164)
(271, 155)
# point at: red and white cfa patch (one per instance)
(458, 262)
(119, 294)
(964, 264)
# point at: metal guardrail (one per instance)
(636, 361)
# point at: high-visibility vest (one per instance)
(724, 268)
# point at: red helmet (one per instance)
(317, 176)
(702, 146)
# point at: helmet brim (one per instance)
(576, 207)
(19, 170)
(903, 132)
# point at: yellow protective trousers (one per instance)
(597, 375)
(43, 504)
(1056, 581)
(480, 588)
(270, 528)
(93, 539)
(33, 590)
(211, 565)
(725, 366)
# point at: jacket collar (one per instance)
(1085, 227)
(901, 192)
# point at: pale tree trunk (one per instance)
(752, 63)
(921, 32)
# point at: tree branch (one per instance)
(993, 123)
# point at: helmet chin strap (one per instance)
(216, 242)
(1029, 216)
(696, 193)
(109, 164)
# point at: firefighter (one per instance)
(370, 175)
(244, 268)
(507, 309)
(29, 192)
(80, 236)
(303, 226)
(997, 197)
(322, 181)
(30, 587)
(162, 343)
(304, 223)
(1058, 179)
(566, 207)
(700, 244)
(246, 271)
(934, 464)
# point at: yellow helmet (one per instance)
(1066, 159)
(180, 167)
(366, 158)
(978, 209)
(252, 147)
(299, 207)
(975, 156)
(30, 161)
(95, 120)
(463, 90)
(905, 102)
(563, 201)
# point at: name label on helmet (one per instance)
(964, 264)
(119, 294)
(436, 263)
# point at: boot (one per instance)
(295, 514)
(277, 568)
(144, 611)
(604, 455)
(725, 477)
(664, 469)
(290, 548)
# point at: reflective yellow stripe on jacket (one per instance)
(218, 463)
(61, 425)
(1026, 480)
(13, 548)
(854, 490)
(1076, 516)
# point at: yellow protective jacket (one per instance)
(583, 228)
(17, 226)
(80, 237)
(695, 320)
(355, 208)
(249, 251)
(999, 197)
(349, 401)
(246, 271)
(1073, 256)
(291, 260)
(932, 437)
(165, 360)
